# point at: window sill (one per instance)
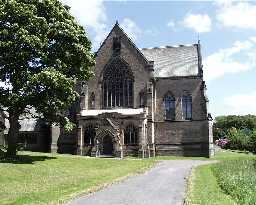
(113, 108)
(169, 120)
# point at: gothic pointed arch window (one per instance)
(169, 103)
(89, 134)
(117, 87)
(187, 106)
(130, 135)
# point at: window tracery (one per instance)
(169, 102)
(117, 85)
(89, 135)
(187, 107)
(130, 135)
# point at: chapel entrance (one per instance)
(107, 145)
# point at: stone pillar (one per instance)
(121, 140)
(142, 140)
(149, 150)
(151, 113)
(97, 149)
(55, 134)
(80, 141)
(211, 147)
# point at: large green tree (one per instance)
(223, 124)
(43, 51)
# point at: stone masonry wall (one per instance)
(177, 86)
(181, 137)
(140, 72)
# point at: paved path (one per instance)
(165, 184)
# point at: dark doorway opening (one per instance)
(107, 145)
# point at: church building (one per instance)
(140, 102)
(144, 102)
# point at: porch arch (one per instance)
(106, 141)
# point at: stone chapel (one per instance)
(144, 102)
(140, 102)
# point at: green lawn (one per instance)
(52, 178)
(229, 182)
(204, 189)
(41, 178)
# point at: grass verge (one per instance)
(229, 182)
(204, 188)
(237, 178)
(51, 179)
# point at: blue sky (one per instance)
(226, 29)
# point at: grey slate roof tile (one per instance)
(173, 60)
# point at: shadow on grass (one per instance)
(25, 159)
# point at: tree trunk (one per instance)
(12, 138)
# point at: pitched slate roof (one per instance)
(173, 60)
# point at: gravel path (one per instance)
(165, 184)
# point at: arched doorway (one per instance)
(107, 144)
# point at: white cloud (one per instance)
(171, 24)
(241, 104)
(237, 14)
(90, 14)
(199, 22)
(253, 39)
(240, 57)
(131, 28)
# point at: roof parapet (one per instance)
(170, 46)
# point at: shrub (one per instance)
(223, 143)
(253, 141)
(239, 139)
(223, 124)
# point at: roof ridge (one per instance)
(170, 46)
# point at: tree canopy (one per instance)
(223, 123)
(43, 50)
